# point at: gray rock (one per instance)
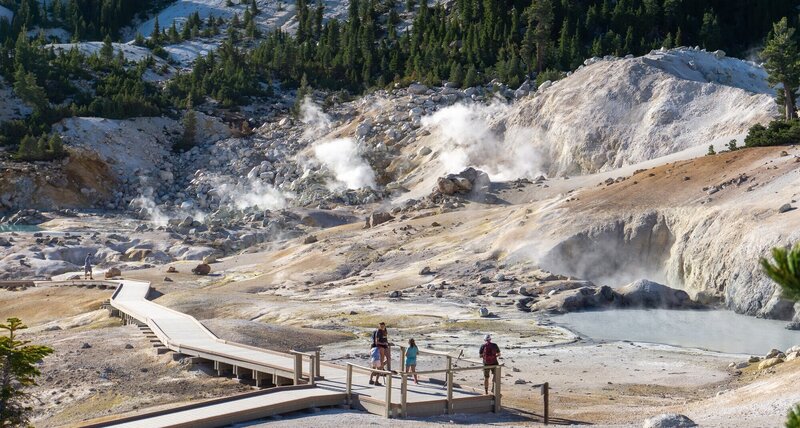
(669, 420)
(377, 218)
(417, 89)
(649, 294)
(395, 294)
(484, 312)
(785, 208)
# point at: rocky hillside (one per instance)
(390, 149)
(615, 112)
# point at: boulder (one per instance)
(784, 208)
(202, 269)
(425, 271)
(113, 272)
(527, 290)
(417, 89)
(649, 294)
(484, 312)
(466, 181)
(136, 254)
(395, 294)
(310, 239)
(172, 269)
(770, 362)
(773, 354)
(669, 420)
(377, 218)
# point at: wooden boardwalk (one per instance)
(300, 380)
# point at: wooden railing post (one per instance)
(404, 396)
(317, 364)
(449, 368)
(349, 390)
(298, 368)
(449, 391)
(402, 358)
(389, 395)
(497, 382)
(312, 369)
(546, 394)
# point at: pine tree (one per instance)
(107, 50)
(27, 149)
(471, 79)
(155, 36)
(29, 91)
(18, 370)
(41, 147)
(189, 126)
(783, 64)
(55, 145)
(784, 269)
(710, 33)
(456, 73)
(667, 41)
(254, 8)
(173, 35)
(542, 11)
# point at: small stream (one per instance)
(713, 330)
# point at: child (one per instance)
(375, 363)
(411, 359)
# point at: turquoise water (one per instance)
(718, 330)
(4, 228)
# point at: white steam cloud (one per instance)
(315, 120)
(247, 193)
(342, 158)
(471, 139)
(147, 205)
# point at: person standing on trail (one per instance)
(411, 359)
(375, 363)
(87, 266)
(380, 339)
(489, 353)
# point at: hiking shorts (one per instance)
(488, 372)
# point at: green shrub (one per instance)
(550, 74)
(777, 133)
(793, 418)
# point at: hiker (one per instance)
(489, 352)
(87, 266)
(411, 359)
(380, 339)
(375, 363)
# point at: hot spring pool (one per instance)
(714, 330)
(5, 228)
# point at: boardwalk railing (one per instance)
(184, 334)
(448, 372)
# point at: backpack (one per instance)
(490, 354)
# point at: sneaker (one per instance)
(371, 382)
(378, 384)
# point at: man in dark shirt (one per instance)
(489, 353)
(380, 338)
